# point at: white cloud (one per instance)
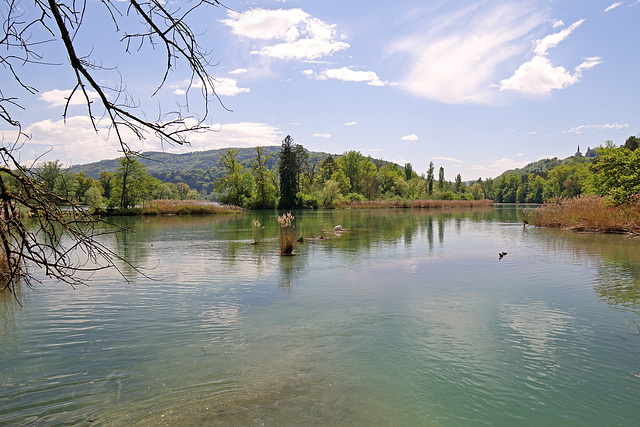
(239, 71)
(412, 137)
(297, 35)
(58, 98)
(75, 141)
(538, 76)
(229, 87)
(455, 58)
(493, 168)
(449, 159)
(348, 75)
(586, 128)
(350, 123)
(552, 40)
(613, 6)
(321, 135)
(557, 23)
(223, 86)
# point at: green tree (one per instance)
(106, 180)
(265, 193)
(343, 181)
(132, 184)
(389, 174)
(617, 173)
(329, 193)
(632, 143)
(476, 191)
(441, 179)
(458, 184)
(237, 185)
(290, 161)
(48, 173)
(350, 163)
(408, 172)
(430, 179)
(162, 192)
(327, 168)
(93, 197)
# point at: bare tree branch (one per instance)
(66, 241)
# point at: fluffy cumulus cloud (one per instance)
(538, 76)
(587, 128)
(58, 98)
(348, 75)
(229, 87)
(412, 137)
(455, 58)
(223, 87)
(286, 33)
(75, 142)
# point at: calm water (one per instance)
(407, 319)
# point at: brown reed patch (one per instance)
(587, 213)
(416, 204)
(287, 233)
(178, 207)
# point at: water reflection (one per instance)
(615, 259)
(409, 318)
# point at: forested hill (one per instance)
(160, 163)
(545, 165)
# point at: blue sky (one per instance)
(477, 87)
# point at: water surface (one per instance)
(408, 318)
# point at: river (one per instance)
(408, 318)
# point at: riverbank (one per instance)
(196, 207)
(415, 204)
(173, 207)
(587, 214)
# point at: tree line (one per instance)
(287, 179)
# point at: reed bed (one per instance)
(587, 213)
(178, 207)
(287, 234)
(416, 204)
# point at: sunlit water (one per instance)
(407, 319)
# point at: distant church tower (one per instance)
(578, 153)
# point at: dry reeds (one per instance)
(178, 207)
(258, 230)
(416, 204)
(287, 234)
(587, 213)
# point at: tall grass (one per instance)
(417, 204)
(587, 213)
(287, 233)
(178, 207)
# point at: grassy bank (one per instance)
(587, 213)
(176, 207)
(418, 204)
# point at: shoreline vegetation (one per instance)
(587, 213)
(198, 207)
